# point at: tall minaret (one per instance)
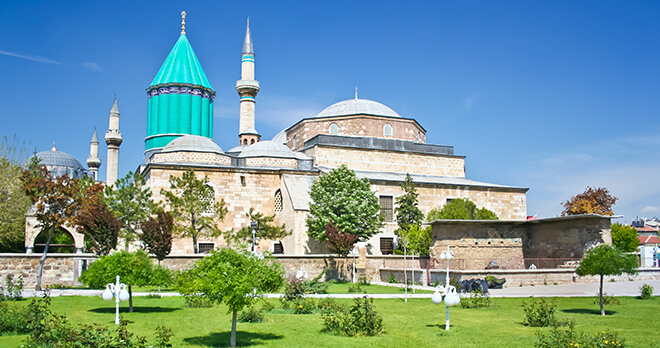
(113, 138)
(93, 161)
(247, 87)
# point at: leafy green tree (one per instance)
(131, 202)
(134, 269)
(624, 238)
(341, 196)
(266, 228)
(461, 209)
(417, 239)
(193, 205)
(407, 210)
(235, 278)
(591, 201)
(606, 260)
(13, 201)
(157, 234)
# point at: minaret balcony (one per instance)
(93, 162)
(113, 137)
(247, 86)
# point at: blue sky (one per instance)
(554, 96)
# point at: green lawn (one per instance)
(417, 323)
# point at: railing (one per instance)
(481, 264)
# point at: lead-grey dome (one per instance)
(195, 143)
(59, 163)
(357, 107)
(267, 149)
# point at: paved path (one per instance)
(629, 288)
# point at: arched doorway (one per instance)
(62, 242)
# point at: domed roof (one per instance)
(357, 107)
(196, 143)
(267, 149)
(60, 163)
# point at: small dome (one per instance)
(280, 137)
(267, 149)
(357, 107)
(59, 163)
(195, 143)
(236, 149)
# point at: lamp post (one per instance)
(254, 226)
(118, 290)
(449, 293)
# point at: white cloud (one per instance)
(92, 66)
(650, 209)
(32, 58)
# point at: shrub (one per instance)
(363, 280)
(559, 337)
(539, 313)
(316, 286)
(303, 306)
(13, 318)
(251, 315)
(392, 279)
(355, 287)
(163, 335)
(153, 295)
(294, 288)
(360, 319)
(608, 300)
(476, 299)
(197, 301)
(12, 290)
(646, 291)
(267, 305)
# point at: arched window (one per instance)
(278, 201)
(334, 129)
(251, 141)
(244, 141)
(387, 130)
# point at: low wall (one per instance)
(61, 269)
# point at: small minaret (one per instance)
(113, 138)
(247, 87)
(93, 161)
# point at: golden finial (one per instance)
(54, 148)
(183, 22)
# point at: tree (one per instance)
(338, 242)
(233, 277)
(341, 196)
(100, 227)
(591, 201)
(134, 269)
(194, 207)
(157, 234)
(461, 209)
(265, 229)
(407, 210)
(417, 239)
(13, 201)
(131, 202)
(606, 260)
(624, 238)
(56, 201)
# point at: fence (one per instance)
(538, 263)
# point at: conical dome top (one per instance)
(182, 66)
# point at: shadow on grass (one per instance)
(221, 339)
(136, 309)
(587, 311)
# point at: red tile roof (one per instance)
(648, 240)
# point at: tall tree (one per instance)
(591, 201)
(157, 234)
(417, 239)
(348, 201)
(13, 201)
(131, 202)
(624, 238)
(606, 260)
(461, 209)
(407, 210)
(233, 277)
(56, 199)
(266, 228)
(193, 205)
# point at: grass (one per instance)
(417, 323)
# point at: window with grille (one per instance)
(387, 246)
(387, 208)
(205, 248)
(278, 201)
(334, 129)
(387, 130)
(210, 200)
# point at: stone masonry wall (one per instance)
(58, 268)
(191, 157)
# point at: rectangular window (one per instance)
(278, 248)
(386, 246)
(205, 248)
(387, 208)
(449, 200)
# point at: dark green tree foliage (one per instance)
(407, 210)
(624, 238)
(461, 209)
(234, 278)
(13, 201)
(134, 269)
(157, 234)
(266, 228)
(338, 242)
(606, 260)
(193, 205)
(131, 202)
(341, 196)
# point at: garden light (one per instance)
(449, 293)
(119, 292)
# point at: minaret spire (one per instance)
(93, 161)
(247, 88)
(183, 22)
(113, 138)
